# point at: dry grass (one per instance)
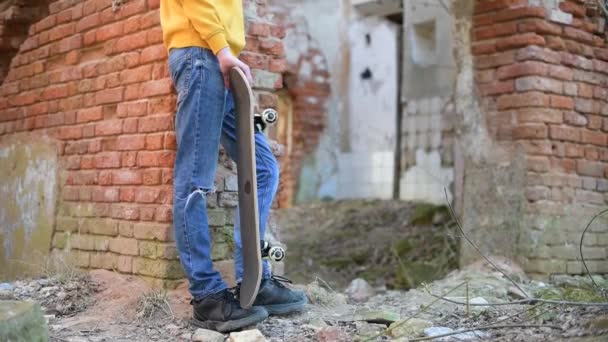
(153, 303)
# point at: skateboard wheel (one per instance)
(270, 116)
(276, 253)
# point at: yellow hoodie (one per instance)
(211, 24)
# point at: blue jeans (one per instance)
(205, 117)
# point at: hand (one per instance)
(228, 61)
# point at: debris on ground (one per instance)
(112, 311)
(393, 244)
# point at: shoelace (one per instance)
(280, 280)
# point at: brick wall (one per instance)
(94, 78)
(542, 73)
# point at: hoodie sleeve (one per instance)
(206, 21)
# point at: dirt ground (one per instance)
(342, 241)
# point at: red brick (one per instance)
(105, 194)
(130, 125)
(539, 83)
(88, 22)
(575, 119)
(492, 61)
(562, 102)
(70, 132)
(171, 144)
(578, 35)
(155, 123)
(545, 115)
(154, 141)
(595, 122)
(564, 133)
(255, 60)
(141, 74)
(150, 19)
(519, 40)
(132, 7)
(540, 26)
(89, 114)
(108, 127)
(601, 54)
(560, 72)
(522, 69)
(162, 105)
(109, 96)
(585, 90)
(138, 108)
(110, 31)
(573, 8)
(61, 31)
(538, 53)
(600, 66)
(493, 31)
(590, 168)
(258, 29)
(530, 131)
(163, 214)
(127, 194)
(131, 42)
(126, 177)
(576, 61)
(151, 176)
(153, 53)
(493, 5)
(130, 142)
(146, 195)
(153, 4)
(594, 138)
(538, 163)
(46, 23)
(106, 160)
(278, 31)
(496, 88)
(155, 88)
(129, 159)
(586, 105)
(55, 92)
(132, 25)
(272, 46)
(529, 99)
(154, 36)
(480, 48)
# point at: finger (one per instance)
(226, 81)
(247, 72)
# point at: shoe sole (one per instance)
(287, 308)
(227, 326)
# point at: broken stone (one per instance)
(6, 287)
(381, 317)
(247, 336)
(516, 293)
(205, 335)
(369, 329)
(332, 334)
(469, 335)
(359, 290)
(479, 306)
(319, 295)
(409, 328)
(317, 323)
(186, 336)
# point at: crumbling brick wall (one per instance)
(542, 77)
(94, 78)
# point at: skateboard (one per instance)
(246, 122)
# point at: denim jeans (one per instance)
(205, 117)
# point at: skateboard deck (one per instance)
(247, 188)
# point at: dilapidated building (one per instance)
(501, 102)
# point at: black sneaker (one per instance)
(278, 299)
(222, 312)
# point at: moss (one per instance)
(402, 247)
(581, 295)
(551, 293)
(423, 213)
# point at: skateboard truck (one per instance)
(268, 117)
(274, 253)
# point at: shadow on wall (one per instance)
(16, 17)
